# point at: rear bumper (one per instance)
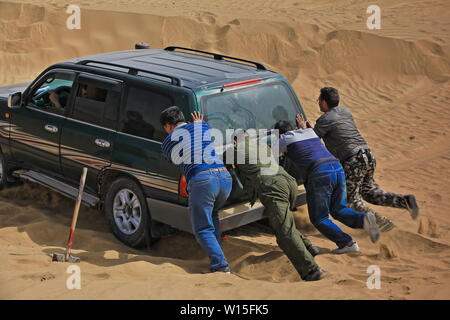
(231, 217)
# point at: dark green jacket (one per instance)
(249, 169)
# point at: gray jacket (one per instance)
(338, 130)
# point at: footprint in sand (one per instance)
(387, 252)
(428, 227)
(224, 284)
(102, 276)
(47, 276)
(348, 282)
(406, 290)
(42, 277)
(272, 266)
(255, 260)
(436, 197)
(207, 17)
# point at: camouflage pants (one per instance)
(361, 185)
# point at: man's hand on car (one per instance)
(302, 123)
(197, 116)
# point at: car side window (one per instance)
(141, 114)
(96, 104)
(53, 93)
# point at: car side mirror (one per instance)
(15, 100)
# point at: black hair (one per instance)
(171, 115)
(330, 95)
(284, 126)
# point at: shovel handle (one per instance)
(77, 206)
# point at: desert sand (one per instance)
(395, 81)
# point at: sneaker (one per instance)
(351, 247)
(313, 250)
(411, 206)
(371, 227)
(314, 275)
(221, 269)
(384, 224)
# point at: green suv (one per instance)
(102, 112)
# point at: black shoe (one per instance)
(313, 250)
(411, 206)
(221, 269)
(314, 275)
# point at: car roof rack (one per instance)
(218, 56)
(134, 71)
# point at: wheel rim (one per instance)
(127, 211)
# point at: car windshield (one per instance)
(255, 107)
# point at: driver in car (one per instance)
(59, 100)
(58, 97)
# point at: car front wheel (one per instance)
(127, 213)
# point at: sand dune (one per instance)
(395, 80)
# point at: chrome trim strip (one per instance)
(90, 124)
(46, 112)
(148, 179)
(119, 166)
(133, 136)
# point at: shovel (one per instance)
(67, 257)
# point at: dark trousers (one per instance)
(277, 192)
(326, 195)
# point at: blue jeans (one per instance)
(208, 192)
(326, 194)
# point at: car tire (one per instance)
(127, 214)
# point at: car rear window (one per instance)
(254, 107)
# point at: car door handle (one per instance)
(51, 128)
(102, 143)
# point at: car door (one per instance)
(36, 126)
(87, 139)
(138, 142)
